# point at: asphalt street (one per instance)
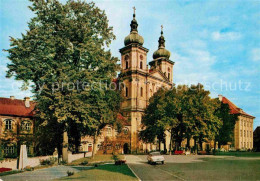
(145, 171)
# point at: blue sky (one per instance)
(216, 43)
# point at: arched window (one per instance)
(141, 92)
(126, 91)
(141, 65)
(126, 62)
(8, 124)
(125, 130)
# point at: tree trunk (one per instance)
(94, 144)
(170, 149)
(214, 151)
(160, 145)
(164, 144)
(195, 146)
(188, 142)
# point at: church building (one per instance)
(140, 80)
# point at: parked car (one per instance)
(155, 157)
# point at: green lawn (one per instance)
(216, 169)
(104, 172)
(97, 159)
(10, 172)
(239, 154)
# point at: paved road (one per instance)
(145, 171)
(41, 174)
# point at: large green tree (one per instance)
(226, 132)
(64, 56)
(184, 111)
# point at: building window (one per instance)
(141, 92)
(8, 124)
(250, 134)
(169, 76)
(100, 147)
(125, 130)
(26, 126)
(245, 123)
(109, 147)
(126, 64)
(109, 131)
(241, 133)
(126, 91)
(117, 146)
(244, 144)
(126, 61)
(247, 134)
(9, 149)
(141, 65)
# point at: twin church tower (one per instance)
(140, 81)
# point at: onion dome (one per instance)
(134, 37)
(161, 52)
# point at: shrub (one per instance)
(70, 173)
(28, 168)
(115, 157)
(63, 162)
(49, 161)
(120, 162)
(84, 163)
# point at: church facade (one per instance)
(140, 81)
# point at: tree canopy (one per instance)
(184, 111)
(64, 56)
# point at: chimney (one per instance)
(12, 97)
(220, 97)
(27, 101)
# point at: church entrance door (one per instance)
(126, 148)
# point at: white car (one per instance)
(155, 157)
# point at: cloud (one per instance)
(255, 54)
(225, 36)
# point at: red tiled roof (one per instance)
(16, 107)
(233, 108)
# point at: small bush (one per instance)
(45, 162)
(84, 163)
(115, 157)
(70, 173)
(49, 161)
(120, 162)
(63, 162)
(28, 168)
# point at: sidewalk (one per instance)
(41, 174)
